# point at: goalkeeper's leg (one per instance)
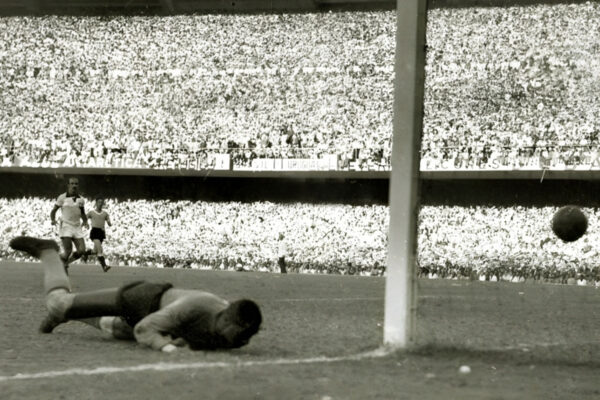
(56, 282)
(62, 305)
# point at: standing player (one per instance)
(71, 206)
(282, 252)
(99, 218)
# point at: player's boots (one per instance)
(32, 246)
(48, 324)
(102, 260)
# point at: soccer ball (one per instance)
(569, 223)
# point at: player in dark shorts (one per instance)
(99, 218)
(97, 234)
(156, 315)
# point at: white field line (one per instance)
(541, 345)
(163, 366)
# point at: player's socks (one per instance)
(55, 273)
(95, 322)
(65, 263)
(76, 255)
(116, 326)
(105, 324)
(58, 302)
(102, 260)
(86, 254)
(56, 281)
(98, 303)
(57, 286)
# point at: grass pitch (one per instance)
(520, 340)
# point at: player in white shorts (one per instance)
(99, 218)
(71, 205)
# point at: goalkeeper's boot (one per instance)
(32, 246)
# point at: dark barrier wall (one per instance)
(364, 191)
(349, 191)
(508, 192)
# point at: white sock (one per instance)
(106, 324)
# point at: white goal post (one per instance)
(409, 70)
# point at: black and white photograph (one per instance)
(299, 199)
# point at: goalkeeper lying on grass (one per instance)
(154, 314)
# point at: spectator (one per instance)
(453, 241)
(479, 90)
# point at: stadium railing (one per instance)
(288, 158)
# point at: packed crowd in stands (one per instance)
(504, 243)
(160, 89)
(512, 87)
(320, 238)
(493, 243)
(503, 86)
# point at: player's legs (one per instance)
(87, 307)
(55, 277)
(79, 245)
(61, 304)
(67, 245)
(79, 249)
(94, 249)
(97, 236)
(100, 254)
(282, 265)
(56, 282)
(98, 248)
(57, 288)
